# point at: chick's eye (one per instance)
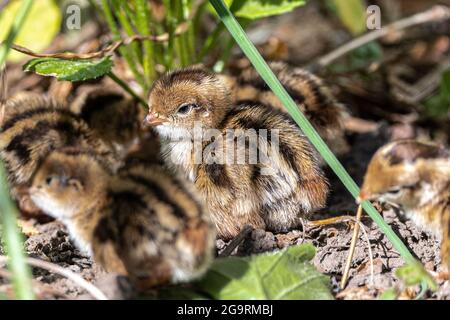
(186, 108)
(394, 191)
(48, 180)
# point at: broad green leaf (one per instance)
(352, 14)
(70, 70)
(257, 9)
(286, 274)
(414, 274)
(40, 27)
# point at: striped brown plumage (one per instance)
(308, 91)
(113, 116)
(34, 125)
(141, 222)
(237, 194)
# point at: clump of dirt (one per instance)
(52, 244)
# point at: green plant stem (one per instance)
(263, 69)
(21, 274)
(143, 26)
(127, 27)
(180, 43)
(170, 29)
(190, 34)
(124, 51)
(128, 89)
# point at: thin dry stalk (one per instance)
(436, 13)
(361, 226)
(352, 248)
(236, 241)
(90, 288)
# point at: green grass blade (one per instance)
(15, 28)
(263, 69)
(143, 25)
(126, 52)
(21, 275)
(11, 236)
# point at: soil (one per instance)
(368, 97)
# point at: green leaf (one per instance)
(414, 274)
(286, 274)
(257, 9)
(40, 27)
(388, 294)
(352, 14)
(70, 70)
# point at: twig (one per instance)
(39, 285)
(345, 219)
(436, 13)
(333, 220)
(236, 241)
(91, 289)
(302, 222)
(352, 248)
(182, 27)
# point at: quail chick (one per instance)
(113, 116)
(313, 98)
(32, 126)
(143, 222)
(274, 194)
(416, 177)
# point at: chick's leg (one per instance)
(333, 220)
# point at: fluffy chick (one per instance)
(274, 194)
(416, 177)
(143, 222)
(33, 125)
(114, 117)
(310, 93)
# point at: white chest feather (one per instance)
(177, 150)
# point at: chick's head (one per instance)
(182, 99)
(68, 182)
(405, 172)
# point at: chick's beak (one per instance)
(153, 119)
